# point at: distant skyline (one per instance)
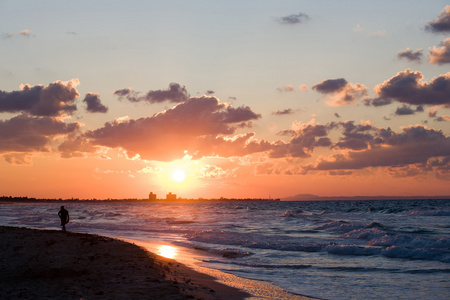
(117, 99)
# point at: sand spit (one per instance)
(50, 264)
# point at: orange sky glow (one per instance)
(282, 100)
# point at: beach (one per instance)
(51, 264)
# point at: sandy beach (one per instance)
(51, 264)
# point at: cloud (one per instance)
(330, 86)
(18, 159)
(442, 22)
(443, 119)
(286, 88)
(337, 115)
(38, 100)
(305, 138)
(410, 55)
(167, 135)
(303, 87)
(76, 146)
(23, 33)
(288, 111)
(293, 19)
(175, 94)
(440, 56)
(432, 112)
(340, 91)
(377, 101)
(26, 133)
(415, 145)
(94, 104)
(408, 87)
(355, 137)
(407, 110)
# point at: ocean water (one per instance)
(323, 249)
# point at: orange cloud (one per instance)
(340, 91)
(440, 56)
(166, 136)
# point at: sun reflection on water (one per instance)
(167, 251)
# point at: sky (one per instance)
(242, 99)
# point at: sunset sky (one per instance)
(107, 99)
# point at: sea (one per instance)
(372, 249)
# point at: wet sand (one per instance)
(51, 264)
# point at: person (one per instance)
(63, 214)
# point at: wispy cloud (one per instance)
(175, 93)
(288, 111)
(24, 33)
(293, 19)
(286, 88)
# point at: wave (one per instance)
(351, 250)
(431, 213)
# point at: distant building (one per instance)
(152, 196)
(171, 196)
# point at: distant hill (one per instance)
(311, 197)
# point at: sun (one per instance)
(167, 251)
(178, 175)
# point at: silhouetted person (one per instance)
(63, 214)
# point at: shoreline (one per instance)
(66, 265)
(256, 289)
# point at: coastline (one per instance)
(65, 265)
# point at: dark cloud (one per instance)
(407, 87)
(305, 138)
(288, 111)
(443, 119)
(355, 137)
(414, 145)
(330, 86)
(337, 115)
(440, 56)
(405, 110)
(167, 135)
(340, 91)
(94, 104)
(411, 55)
(293, 19)
(239, 145)
(26, 133)
(38, 100)
(209, 92)
(175, 94)
(377, 101)
(442, 22)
